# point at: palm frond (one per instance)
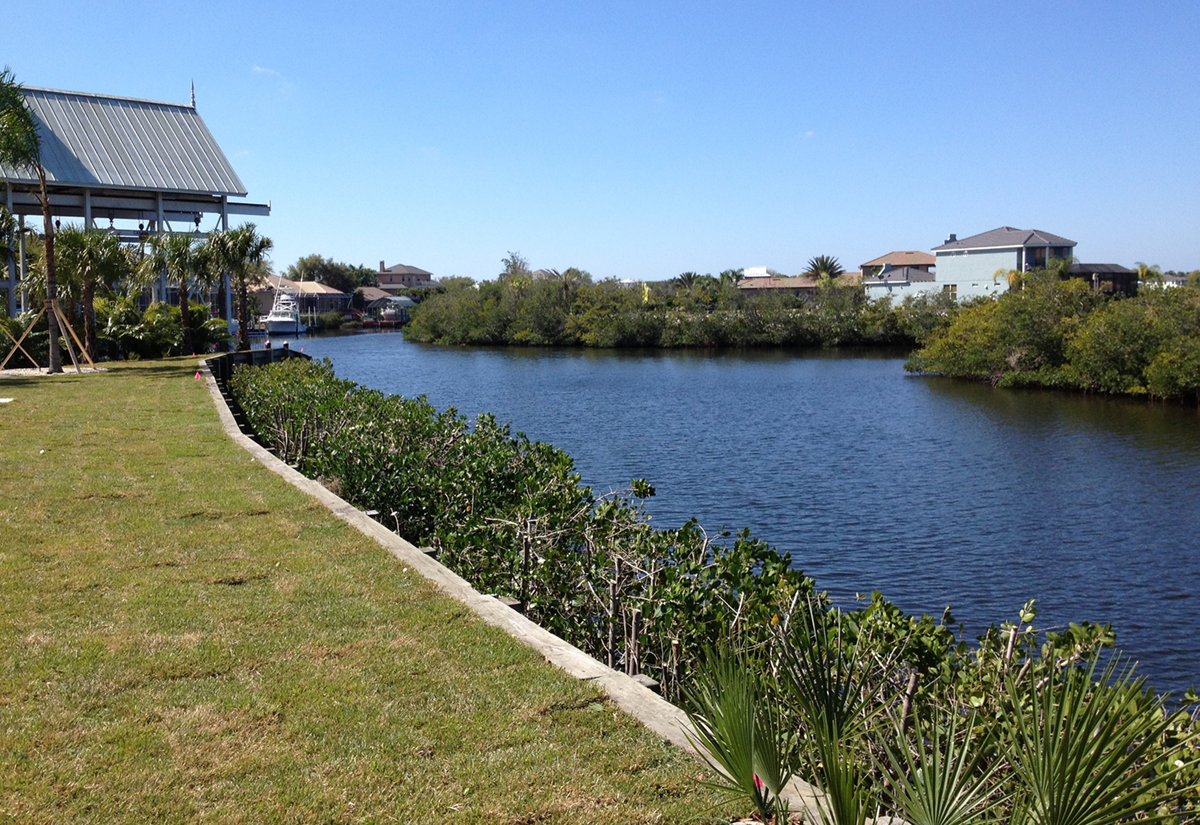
(1085, 747)
(938, 779)
(741, 738)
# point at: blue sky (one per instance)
(645, 139)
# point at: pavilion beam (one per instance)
(131, 207)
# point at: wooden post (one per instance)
(63, 319)
(633, 664)
(674, 664)
(909, 695)
(28, 330)
(612, 623)
(62, 322)
(17, 346)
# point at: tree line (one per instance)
(569, 308)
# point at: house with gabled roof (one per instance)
(911, 259)
(402, 276)
(969, 267)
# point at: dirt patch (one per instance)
(31, 372)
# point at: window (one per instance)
(952, 289)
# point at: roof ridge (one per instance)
(108, 97)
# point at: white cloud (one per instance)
(809, 133)
(261, 70)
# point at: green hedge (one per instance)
(511, 516)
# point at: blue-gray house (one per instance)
(969, 267)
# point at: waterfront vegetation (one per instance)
(1063, 334)
(865, 702)
(567, 309)
(1046, 331)
(186, 637)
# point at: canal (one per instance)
(933, 491)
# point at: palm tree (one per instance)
(21, 148)
(241, 252)
(824, 266)
(1084, 747)
(570, 279)
(1148, 273)
(8, 235)
(686, 280)
(184, 261)
(90, 257)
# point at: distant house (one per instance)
(313, 296)
(401, 276)
(802, 285)
(1107, 277)
(756, 272)
(922, 261)
(898, 281)
(968, 268)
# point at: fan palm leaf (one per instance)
(1087, 748)
(938, 780)
(740, 737)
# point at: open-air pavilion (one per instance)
(150, 166)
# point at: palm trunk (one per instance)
(224, 346)
(51, 283)
(243, 313)
(185, 319)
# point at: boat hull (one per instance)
(283, 326)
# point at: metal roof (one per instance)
(106, 142)
(1100, 269)
(1005, 237)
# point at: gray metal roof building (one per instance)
(122, 158)
(117, 158)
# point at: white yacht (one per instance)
(284, 317)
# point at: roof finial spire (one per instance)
(193, 94)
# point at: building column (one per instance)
(225, 275)
(12, 263)
(22, 265)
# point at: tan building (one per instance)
(312, 296)
(401, 276)
(919, 261)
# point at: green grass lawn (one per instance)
(186, 637)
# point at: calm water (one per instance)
(935, 492)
